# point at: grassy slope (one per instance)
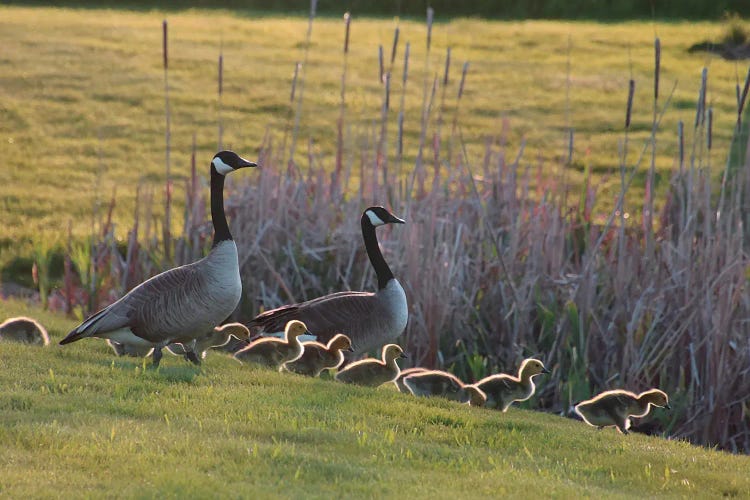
(74, 420)
(81, 91)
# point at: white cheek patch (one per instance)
(221, 167)
(374, 219)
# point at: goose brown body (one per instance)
(373, 372)
(446, 385)
(272, 352)
(614, 408)
(24, 329)
(502, 389)
(317, 357)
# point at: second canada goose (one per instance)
(405, 373)
(24, 329)
(444, 384)
(182, 303)
(373, 372)
(370, 319)
(216, 337)
(502, 390)
(273, 352)
(317, 357)
(614, 408)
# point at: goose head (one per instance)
(391, 352)
(531, 367)
(294, 329)
(236, 329)
(225, 162)
(378, 216)
(340, 342)
(656, 398)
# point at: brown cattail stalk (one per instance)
(700, 111)
(380, 64)
(631, 93)
(167, 232)
(681, 143)
(657, 66)
(220, 94)
(709, 127)
(742, 98)
(447, 66)
(394, 48)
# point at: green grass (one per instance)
(82, 104)
(76, 421)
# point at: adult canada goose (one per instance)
(446, 385)
(370, 319)
(133, 350)
(502, 390)
(216, 337)
(183, 303)
(273, 352)
(373, 372)
(405, 373)
(614, 408)
(24, 329)
(317, 357)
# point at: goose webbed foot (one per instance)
(192, 357)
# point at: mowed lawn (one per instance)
(82, 99)
(76, 421)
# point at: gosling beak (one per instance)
(404, 355)
(544, 370)
(667, 406)
(351, 349)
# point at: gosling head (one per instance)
(237, 329)
(392, 352)
(656, 398)
(294, 329)
(340, 342)
(225, 162)
(378, 216)
(531, 367)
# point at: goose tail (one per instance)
(85, 329)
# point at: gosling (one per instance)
(132, 350)
(373, 372)
(614, 408)
(217, 337)
(317, 357)
(446, 385)
(25, 330)
(273, 352)
(405, 373)
(502, 390)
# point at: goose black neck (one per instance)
(382, 270)
(219, 220)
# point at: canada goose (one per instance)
(182, 303)
(24, 329)
(273, 352)
(216, 337)
(616, 407)
(373, 372)
(317, 357)
(502, 389)
(370, 319)
(405, 373)
(133, 350)
(444, 384)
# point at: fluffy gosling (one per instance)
(25, 330)
(502, 389)
(273, 352)
(614, 408)
(132, 350)
(405, 373)
(373, 372)
(446, 385)
(317, 357)
(217, 337)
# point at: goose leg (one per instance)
(192, 357)
(157, 357)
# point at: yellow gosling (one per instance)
(25, 330)
(317, 357)
(132, 350)
(273, 352)
(216, 337)
(614, 408)
(405, 373)
(373, 372)
(502, 389)
(446, 385)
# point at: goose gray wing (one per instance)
(352, 313)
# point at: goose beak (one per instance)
(242, 163)
(396, 220)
